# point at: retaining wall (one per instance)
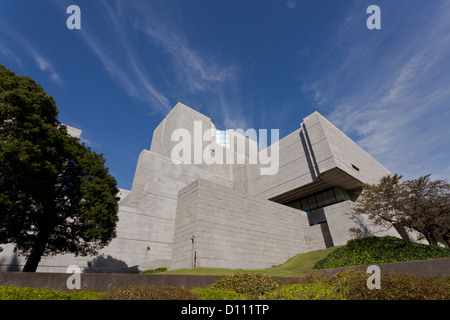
(422, 268)
(104, 282)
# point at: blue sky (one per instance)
(246, 64)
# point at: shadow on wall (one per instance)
(109, 264)
(11, 266)
(361, 230)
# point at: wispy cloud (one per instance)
(205, 80)
(9, 54)
(207, 77)
(122, 62)
(40, 60)
(395, 106)
(46, 66)
(291, 3)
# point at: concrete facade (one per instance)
(244, 214)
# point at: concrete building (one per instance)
(231, 214)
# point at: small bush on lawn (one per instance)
(251, 285)
(309, 291)
(149, 293)
(20, 293)
(217, 294)
(154, 271)
(375, 250)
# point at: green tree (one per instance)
(419, 204)
(56, 195)
(426, 209)
(381, 202)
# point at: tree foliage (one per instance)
(420, 204)
(56, 195)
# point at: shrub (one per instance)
(309, 291)
(395, 286)
(376, 250)
(154, 271)
(149, 293)
(20, 293)
(251, 285)
(217, 294)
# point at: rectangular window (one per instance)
(305, 205)
(341, 194)
(312, 202)
(325, 198)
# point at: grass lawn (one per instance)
(291, 268)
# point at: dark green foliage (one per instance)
(308, 291)
(149, 293)
(19, 293)
(154, 271)
(375, 250)
(56, 195)
(251, 285)
(217, 294)
(394, 286)
(347, 285)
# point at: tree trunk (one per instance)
(430, 238)
(33, 259)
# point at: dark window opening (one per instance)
(320, 199)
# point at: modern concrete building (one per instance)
(257, 211)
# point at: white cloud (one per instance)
(124, 65)
(395, 106)
(192, 69)
(44, 65)
(41, 62)
(291, 3)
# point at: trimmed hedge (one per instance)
(312, 291)
(149, 293)
(250, 285)
(394, 286)
(20, 293)
(217, 294)
(154, 271)
(347, 285)
(376, 250)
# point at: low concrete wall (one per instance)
(102, 281)
(423, 268)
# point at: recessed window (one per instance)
(320, 199)
(355, 167)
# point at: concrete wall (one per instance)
(234, 230)
(333, 149)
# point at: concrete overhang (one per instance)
(335, 177)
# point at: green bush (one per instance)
(309, 291)
(376, 250)
(149, 293)
(352, 285)
(250, 285)
(396, 286)
(217, 294)
(20, 293)
(154, 271)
